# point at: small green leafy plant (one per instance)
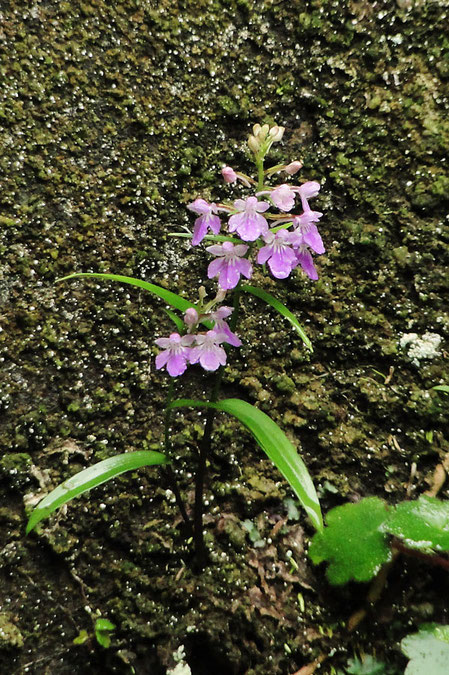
(428, 650)
(360, 538)
(102, 633)
(260, 231)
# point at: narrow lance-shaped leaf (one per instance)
(275, 444)
(170, 298)
(279, 307)
(90, 478)
(179, 323)
(209, 237)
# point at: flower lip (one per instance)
(229, 265)
(248, 221)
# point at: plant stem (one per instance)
(260, 173)
(167, 469)
(198, 537)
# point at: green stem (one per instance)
(206, 441)
(260, 173)
(167, 469)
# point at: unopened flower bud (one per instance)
(256, 129)
(276, 133)
(221, 294)
(202, 293)
(293, 167)
(229, 175)
(191, 316)
(253, 144)
(263, 133)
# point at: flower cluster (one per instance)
(203, 348)
(282, 240)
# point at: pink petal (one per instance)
(309, 189)
(306, 262)
(240, 249)
(216, 249)
(161, 359)
(262, 206)
(215, 267)
(229, 277)
(176, 364)
(199, 231)
(313, 238)
(281, 263)
(264, 254)
(209, 360)
(244, 267)
(199, 206)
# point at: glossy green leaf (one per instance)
(81, 638)
(103, 628)
(427, 650)
(442, 387)
(279, 307)
(179, 323)
(104, 624)
(421, 524)
(276, 445)
(353, 543)
(90, 478)
(170, 298)
(209, 237)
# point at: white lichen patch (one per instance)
(181, 668)
(420, 348)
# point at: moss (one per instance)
(115, 117)
(10, 635)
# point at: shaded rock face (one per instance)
(114, 117)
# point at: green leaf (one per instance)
(168, 297)
(104, 624)
(427, 650)
(422, 524)
(91, 477)
(210, 237)
(353, 543)
(441, 387)
(276, 445)
(279, 307)
(81, 638)
(179, 323)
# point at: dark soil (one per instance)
(114, 117)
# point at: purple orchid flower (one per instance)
(306, 191)
(304, 258)
(206, 221)
(176, 353)
(306, 232)
(279, 254)
(229, 265)
(222, 327)
(208, 352)
(283, 197)
(248, 222)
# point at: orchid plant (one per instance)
(262, 230)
